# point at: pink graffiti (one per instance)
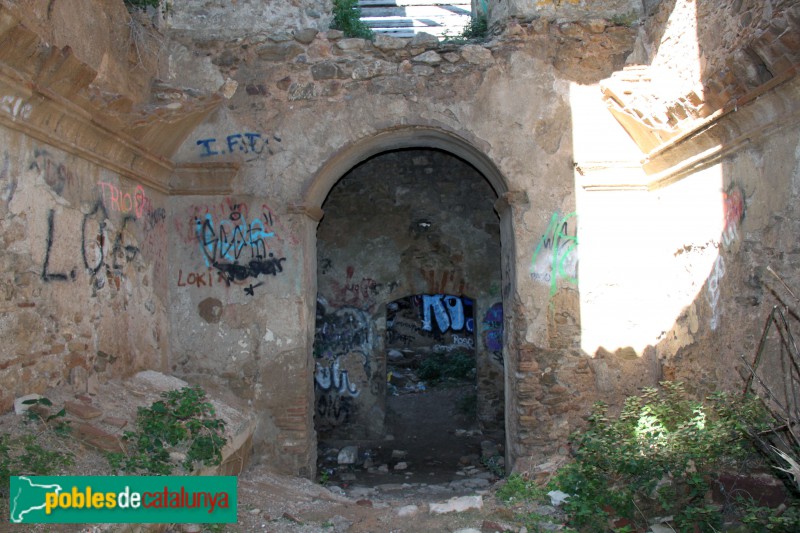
(355, 292)
(116, 199)
(733, 210)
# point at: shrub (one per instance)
(183, 422)
(347, 18)
(454, 366)
(658, 458)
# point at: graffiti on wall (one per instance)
(415, 320)
(446, 281)
(733, 211)
(343, 341)
(448, 311)
(333, 379)
(237, 245)
(250, 145)
(556, 255)
(493, 331)
(16, 107)
(333, 410)
(55, 173)
(8, 184)
(712, 290)
(361, 293)
(102, 249)
(107, 243)
(341, 331)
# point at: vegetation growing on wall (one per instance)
(347, 18)
(142, 4)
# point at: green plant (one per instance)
(766, 519)
(477, 28)
(658, 457)
(519, 489)
(347, 18)
(183, 421)
(456, 365)
(494, 464)
(24, 456)
(142, 4)
(38, 412)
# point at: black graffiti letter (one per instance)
(47, 276)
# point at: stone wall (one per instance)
(83, 269)
(564, 10)
(313, 105)
(118, 205)
(709, 215)
(232, 20)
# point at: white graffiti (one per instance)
(712, 291)
(15, 106)
(449, 313)
(331, 378)
(467, 342)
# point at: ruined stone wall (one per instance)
(404, 223)
(83, 270)
(564, 10)
(230, 20)
(241, 252)
(84, 264)
(716, 201)
(309, 108)
(123, 49)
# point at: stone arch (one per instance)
(394, 139)
(471, 151)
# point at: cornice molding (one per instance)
(45, 94)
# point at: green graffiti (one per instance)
(556, 257)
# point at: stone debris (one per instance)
(407, 511)
(82, 410)
(20, 407)
(457, 505)
(557, 497)
(340, 524)
(348, 455)
(97, 438)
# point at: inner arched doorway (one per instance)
(403, 221)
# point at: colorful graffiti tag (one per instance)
(733, 211)
(556, 255)
(238, 245)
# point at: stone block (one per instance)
(348, 455)
(457, 505)
(82, 410)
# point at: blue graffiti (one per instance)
(231, 238)
(448, 311)
(245, 143)
(238, 248)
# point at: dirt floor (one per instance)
(442, 452)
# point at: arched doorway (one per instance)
(401, 220)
